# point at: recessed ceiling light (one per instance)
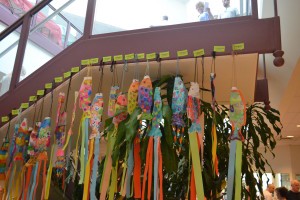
(298, 126)
(290, 136)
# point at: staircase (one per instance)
(258, 35)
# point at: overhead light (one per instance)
(298, 126)
(290, 136)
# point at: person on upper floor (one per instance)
(205, 13)
(229, 11)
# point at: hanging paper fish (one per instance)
(154, 136)
(43, 144)
(15, 183)
(178, 108)
(3, 158)
(113, 94)
(133, 96)
(4, 154)
(85, 104)
(33, 143)
(120, 115)
(95, 123)
(31, 163)
(237, 117)
(193, 112)
(61, 118)
(145, 94)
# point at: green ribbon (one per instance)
(196, 164)
(238, 170)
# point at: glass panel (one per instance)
(8, 51)
(73, 36)
(17, 7)
(114, 15)
(76, 16)
(34, 58)
(57, 29)
(284, 180)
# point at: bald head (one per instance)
(271, 188)
(295, 185)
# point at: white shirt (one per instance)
(268, 195)
(228, 13)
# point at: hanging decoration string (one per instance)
(68, 92)
(202, 81)
(101, 69)
(136, 74)
(125, 69)
(177, 66)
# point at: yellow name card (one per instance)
(75, 69)
(24, 105)
(85, 62)
(118, 57)
(129, 56)
(150, 56)
(48, 86)
(182, 53)
(4, 118)
(140, 56)
(106, 59)
(165, 54)
(94, 61)
(40, 92)
(219, 49)
(67, 74)
(15, 112)
(58, 79)
(32, 98)
(199, 52)
(238, 47)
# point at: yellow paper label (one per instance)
(85, 62)
(129, 56)
(165, 54)
(40, 92)
(118, 57)
(150, 56)
(106, 59)
(199, 52)
(67, 74)
(15, 112)
(4, 118)
(24, 105)
(140, 56)
(239, 46)
(75, 69)
(219, 49)
(32, 98)
(94, 61)
(182, 53)
(48, 86)
(58, 79)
